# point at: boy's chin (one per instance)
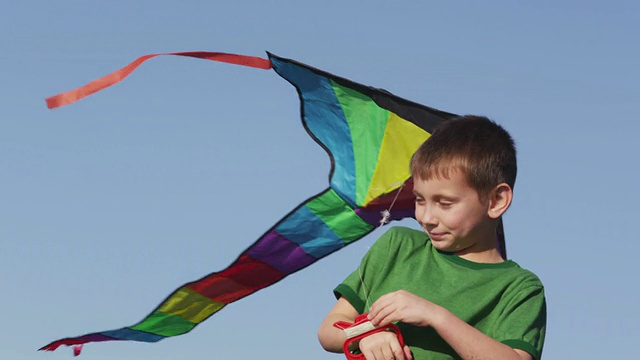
(448, 245)
(443, 244)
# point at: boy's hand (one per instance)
(404, 306)
(384, 346)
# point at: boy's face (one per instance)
(451, 212)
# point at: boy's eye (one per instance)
(445, 203)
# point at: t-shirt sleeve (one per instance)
(356, 287)
(523, 323)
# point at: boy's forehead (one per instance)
(442, 172)
(452, 181)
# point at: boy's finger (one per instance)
(407, 353)
(384, 316)
(368, 354)
(381, 302)
(398, 351)
(378, 309)
(387, 353)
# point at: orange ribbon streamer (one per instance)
(94, 86)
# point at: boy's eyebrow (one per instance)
(436, 196)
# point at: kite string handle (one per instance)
(361, 328)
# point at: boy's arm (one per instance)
(470, 343)
(467, 341)
(332, 338)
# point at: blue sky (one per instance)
(109, 204)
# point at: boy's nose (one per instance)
(427, 217)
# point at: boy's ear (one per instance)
(499, 200)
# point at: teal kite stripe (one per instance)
(135, 335)
(318, 239)
(339, 216)
(325, 120)
(323, 225)
(356, 107)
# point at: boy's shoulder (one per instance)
(527, 278)
(403, 236)
(403, 232)
(398, 239)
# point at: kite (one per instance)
(370, 136)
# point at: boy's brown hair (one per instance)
(483, 150)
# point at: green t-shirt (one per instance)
(501, 300)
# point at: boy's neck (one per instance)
(484, 251)
(486, 256)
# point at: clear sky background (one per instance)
(108, 205)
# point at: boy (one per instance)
(448, 288)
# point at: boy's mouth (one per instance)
(436, 235)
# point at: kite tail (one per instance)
(76, 342)
(321, 225)
(115, 77)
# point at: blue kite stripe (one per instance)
(325, 120)
(304, 228)
(131, 334)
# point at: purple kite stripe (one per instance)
(96, 337)
(280, 253)
(370, 217)
(402, 214)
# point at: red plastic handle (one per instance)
(361, 319)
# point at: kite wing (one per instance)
(370, 136)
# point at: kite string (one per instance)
(386, 215)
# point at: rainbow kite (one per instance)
(370, 136)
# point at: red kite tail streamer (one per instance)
(115, 77)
